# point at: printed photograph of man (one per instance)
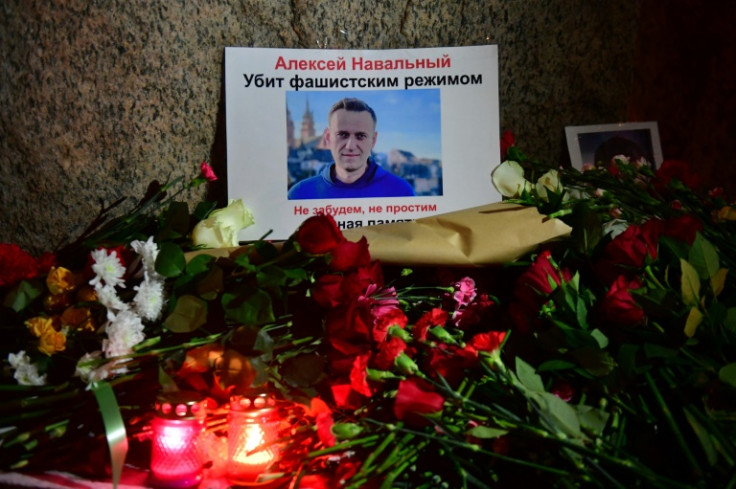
(343, 160)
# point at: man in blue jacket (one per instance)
(351, 135)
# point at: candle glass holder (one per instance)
(176, 454)
(253, 427)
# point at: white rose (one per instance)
(221, 228)
(549, 181)
(508, 178)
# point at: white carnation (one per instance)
(148, 251)
(149, 298)
(124, 331)
(26, 373)
(107, 268)
(108, 297)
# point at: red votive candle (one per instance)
(176, 453)
(253, 427)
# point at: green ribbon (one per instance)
(117, 438)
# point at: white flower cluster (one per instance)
(508, 178)
(124, 327)
(26, 373)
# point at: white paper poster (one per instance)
(427, 145)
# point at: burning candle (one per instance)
(176, 455)
(253, 426)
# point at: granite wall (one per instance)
(99, 97)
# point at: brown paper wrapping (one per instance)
(486, 235)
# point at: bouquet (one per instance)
(603, 358)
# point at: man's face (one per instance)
(351, 136)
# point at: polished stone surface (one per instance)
(97, 98)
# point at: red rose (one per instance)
(630, 250)
(535, 283)
(435, 317)
(319, 235)
(676, 170)
(351, 323)
(684, 228)
(348, 255)
(357, 282)
(488, 342)
(507, 141)
(618, 307)
(327, 290)
(414, 398)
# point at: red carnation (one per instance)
(17, 264)
(435, 317)
(415, 398)
(319, 235)
(387, 353)
(488, 342)
(385, 318)
(450, 362)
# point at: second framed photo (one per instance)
(598, 144)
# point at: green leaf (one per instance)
(346, 431)
(718, 281)
(690, 284)
(203, 210)
(592, 419)
(199, 264)
(266, 250)
(485, 432)
(730, 322)
(170, 261)
(211, 283)
(250, 306)
(704, 257)
(556, 364)
(594, 360)
(727, 374)
(23, 294)
(704, 437)
(303, 370)
(175, 222)
(560, 415)
(600, 337)
(694, 318)
(528, 377)
(271, 276)
(190, 312)
(586, 228)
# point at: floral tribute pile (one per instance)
(607, 359)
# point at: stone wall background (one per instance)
(99, 97)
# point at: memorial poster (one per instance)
(421, 127)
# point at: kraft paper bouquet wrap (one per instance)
(487, 235)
